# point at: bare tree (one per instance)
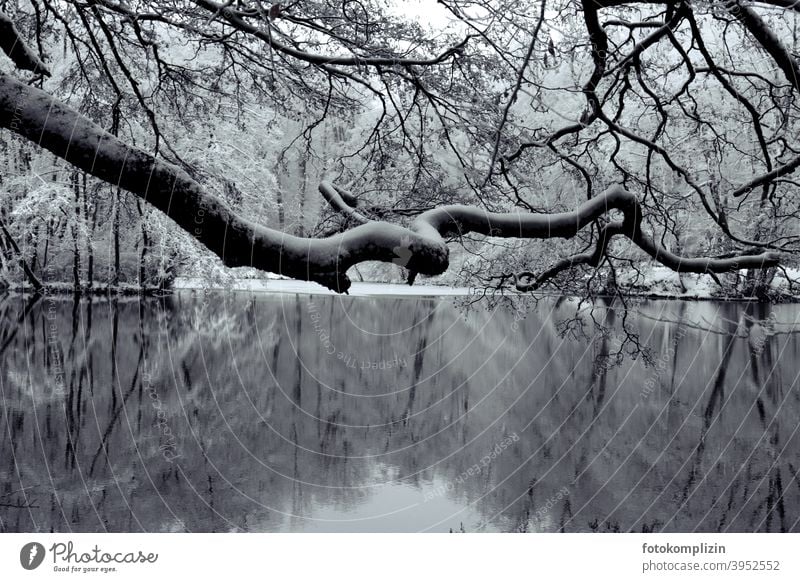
(337, 57)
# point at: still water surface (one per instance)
(241, 412)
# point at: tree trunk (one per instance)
(47, 234)
(115, 236)
(31, 276)
(88, 221)
(145, 244)
(76, 251)
(301, 228)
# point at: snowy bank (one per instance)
(283, 285)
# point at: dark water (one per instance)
(293, 413)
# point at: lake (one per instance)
(280, 413)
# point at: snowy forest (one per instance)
(575, 146)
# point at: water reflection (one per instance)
(297, 413)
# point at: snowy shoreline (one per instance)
(376, 289)
(664, 285)
(358, 288)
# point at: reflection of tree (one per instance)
(253, 452)
(764, 379)
(714, 404)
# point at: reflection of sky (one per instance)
(395, 507)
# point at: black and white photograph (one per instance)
(361, 267)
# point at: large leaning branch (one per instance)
(39, 117)
(767, 39)
(458, 220)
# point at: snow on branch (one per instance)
(237, 21)
(17, 50)
(39, 117)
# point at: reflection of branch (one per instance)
(792, 327)
(103, 447)
(25, 505)
(19, 505)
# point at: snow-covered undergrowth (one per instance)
(659, 281)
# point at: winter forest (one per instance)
(578, 222)
(314, 139)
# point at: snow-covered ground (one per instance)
(661, 281)
(654, 281)
(304, 287)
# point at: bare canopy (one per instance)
(72, 136)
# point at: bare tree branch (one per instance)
(17, 50)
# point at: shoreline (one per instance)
(281, 286)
